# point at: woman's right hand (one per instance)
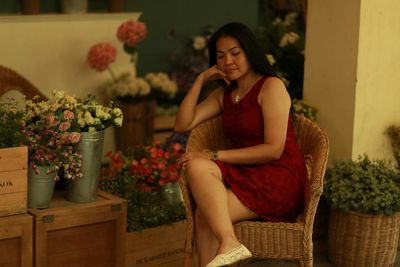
(213, 73)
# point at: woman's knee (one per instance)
(197, 168)
(193, 166)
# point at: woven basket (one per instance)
(358, 240)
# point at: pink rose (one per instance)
(68, 115)
(131, 32)
(50, 119)
(101, 55)
(74, 137)
(64, 126)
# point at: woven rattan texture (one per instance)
(361, 240)
(11, 80)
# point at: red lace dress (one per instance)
(275, 191)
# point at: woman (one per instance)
(264, 174)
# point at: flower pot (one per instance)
(84, 189)
(171, 193)
(358, 240)
(30, 7)
(138, 125)
(41, 186)
(74, 6)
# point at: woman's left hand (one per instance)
(192, 155)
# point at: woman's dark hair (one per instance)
(247, 41)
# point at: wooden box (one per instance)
(16, 241)
(80, 234)
(159, 246)
(163, 127)
(13, 180)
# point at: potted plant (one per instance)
(13, 159)
(90, 119)
(145, 176)
(365, 202)
(137, 96)
(50, 133)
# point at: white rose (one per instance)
(122, 90)
(290, 18)
(288, 38)
(118, 121)
(271, 59)
(199, 42)
(117, 112)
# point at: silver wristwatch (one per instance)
(214, 155)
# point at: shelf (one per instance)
(12, 18)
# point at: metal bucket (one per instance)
(84, 189)
(171, 193)
(40, 186)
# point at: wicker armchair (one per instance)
(270, 240)
(11, 80)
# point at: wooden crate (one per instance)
(13, 180)
(163, 127)
(80, 234)
(158, 246)
(16, 241)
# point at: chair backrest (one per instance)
(313, 141)
(11, 80)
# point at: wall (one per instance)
(352, 61)
(330, 69)
(186, 18)
(50, 49)
(378, 68)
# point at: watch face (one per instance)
(214, 155)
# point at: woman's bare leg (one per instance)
(207, 243)
(219, 207)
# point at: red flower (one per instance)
(101, 55)
(132, 32)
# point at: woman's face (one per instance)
(231, 58)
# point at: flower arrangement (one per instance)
(283, 40)
(11, 124)
(101, 55)
(50, 135)
(188, 65)
(301, 107)
(92, 116)
(364, 186)
(139, 176)
(128, 88)
(130, 33)
(164, 89)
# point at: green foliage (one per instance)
(363, 186)
(11, 124)
(145, 209)
(140, 175)
(282, 37)
(305, 109)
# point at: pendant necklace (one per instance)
(236, 98)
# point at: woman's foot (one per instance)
(234, 255)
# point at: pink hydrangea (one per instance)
(101, 55)
(131, 32)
